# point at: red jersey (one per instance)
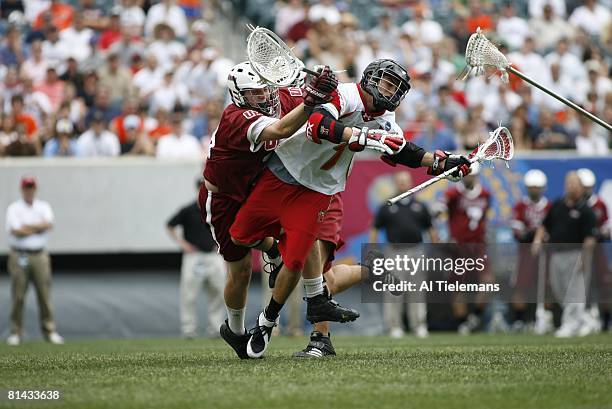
(235, 159)
(467, 213)
(527, 217)
(601, 216)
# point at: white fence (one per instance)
(104, 205)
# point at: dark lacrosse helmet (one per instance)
(387, 82)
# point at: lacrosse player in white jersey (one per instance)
(312, 167)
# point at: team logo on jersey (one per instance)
(270, 145)
(386, 125)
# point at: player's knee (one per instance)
(295, 266)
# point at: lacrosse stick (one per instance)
(499, 145)
(481, 52)
(272, 59)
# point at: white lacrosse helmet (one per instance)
(242, 81)
(535, 178)
(587, 177)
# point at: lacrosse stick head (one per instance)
(499, 145)
(271, 58)
(481, 53)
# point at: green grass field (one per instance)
(444, 371)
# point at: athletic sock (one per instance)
(272, 310)
(313, 286)
(235, 320)
(273, 252)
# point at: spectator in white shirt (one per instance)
(591, 17)
(533, 65)
(178, 144)
(56, 52)
(427, 31)
(36, 66)
(548, 29)
(288, 14)
(27, 223)
(97, 140)
(570, 64)
(511, 28)
(169, 94)
(560, 84)
(166, 49)
(169, 13)
(149, 78)
(589, 142)
(132, 17)
(326, 10)
(536, 7)
(77, 38)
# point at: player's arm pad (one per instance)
(322, 125)
(411, 155)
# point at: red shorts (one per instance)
(330, 228)
(219, 211)
(292, 213)
(526, 277)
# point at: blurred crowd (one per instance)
(564, 45)
(136, 77)
(91, 78)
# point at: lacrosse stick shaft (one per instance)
(423, 185)
(559, 98)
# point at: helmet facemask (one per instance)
(265, 100)
(387, 88)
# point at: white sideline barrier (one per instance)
(104, 205)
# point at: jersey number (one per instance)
(250, 114)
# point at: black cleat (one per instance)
(319, 346)
(259, 337)
(237, 342)
(272, 266)
(321, 308)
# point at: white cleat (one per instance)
(13, 340)
(396, 333)
(421, 331)
(544, 322)
(55, 338)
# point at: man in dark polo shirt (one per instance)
(405, 222)
(201, 267)
(569, 228)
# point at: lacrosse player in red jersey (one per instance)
(248, 131)
(305, 174)
(528, 214)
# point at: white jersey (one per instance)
(325, 167)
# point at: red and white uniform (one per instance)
(467, 213)
(600, 262)
(528, 216)
(235, 160)
(308, 206)
(325, 167)
(601, 214)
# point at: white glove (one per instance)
(377, 140)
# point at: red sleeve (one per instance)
(450, 197)
(336, 101)
(290, 98)
(604, 211)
